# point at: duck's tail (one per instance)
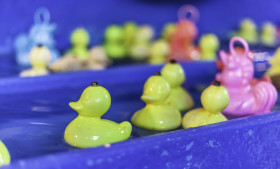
(127, 128)
(266, 96)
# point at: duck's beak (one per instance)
(76, 106)
(147, 98)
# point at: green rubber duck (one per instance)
(80, 40)
(168, 30)
(4, 155)
(274, 69)
(141, 46)
(157, 115)
(174, 74)
(88, 129)
(130, 30)
(248, 31)
(208, 45)
(268, 34)
(114, 42)
(159, 52)
(214, 100)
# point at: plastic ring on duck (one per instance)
(42, 15)
(243, 42)
(188, 12)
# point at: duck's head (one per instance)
(247, 25)
(156, 90)
(209, 42)
(80, 37)
(130, 29)
(168, 30)
(173, 73)
(215, 98)
(268, 29)
(114, 33)
(144, 33)
(159, 48)
(40, 57)
(94, 101)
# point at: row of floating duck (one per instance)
(248, 30)
(177, 41)
(130, 40)
(234, 93)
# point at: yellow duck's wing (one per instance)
(85, 132)
(195, 118)
(216, 118)
(200, 117)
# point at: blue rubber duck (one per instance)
(41, 33)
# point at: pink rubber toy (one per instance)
(247, 96)
(181, 42)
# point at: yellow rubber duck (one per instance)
(248, 31)
(141, 47)
(4, 155)
(114, 42)
(275, 64)
(214, 99)
(157, 115)
(174, 74)
(208, 45)
(130, 30)
(88, 129)
(40, 58)
(268, 34)
(167, 31)
(159, 51)
(80, 39)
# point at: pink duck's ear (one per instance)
(223, 56)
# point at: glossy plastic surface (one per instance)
(22, 14)
(140, 48)
(40, 57)
(157, 115)
(79, 40)
(248, 31)
(253, 140)
(154, 12)
(88, 129)
(174, 74)
(208, 46)
(275, 64)
(182, 40)
(248, 96)
(159, 50)
(114, 42)
(214, 100)
(268, 34)
(33, 119)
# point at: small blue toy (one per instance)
(41, 33)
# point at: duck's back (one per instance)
(180, 98)
(157, 117)
(201, 117)
(86, 132)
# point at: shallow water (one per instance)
(33, 123)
